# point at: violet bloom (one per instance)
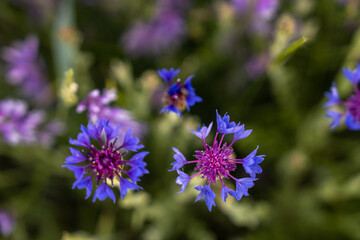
(19, 125)
(178, 96)
(161, 34)
(26, 70)
(217, 161)
(103, 159)
(7, 223)
(262, 12)
(97, 105)
(351, 106)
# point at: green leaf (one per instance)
(284, 55)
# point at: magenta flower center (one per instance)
(106, 163)
(215, 162)
(353, 104)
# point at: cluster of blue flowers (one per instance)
(103, 159)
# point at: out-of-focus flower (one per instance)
(25, 69)
(178, 96)
(261, 12)
(161, 34)
(7, 223)
(103, 160)
(19, 125)
(97, 105)
(351, 106)
(216, 162)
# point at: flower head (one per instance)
(351, 106)
(26, 70)
(178, 96)
(98, 107)
(216, 162)
(104, 160)
(18, 125)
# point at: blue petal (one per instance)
(125, 185)
(336, 118)
(135, 173)
(333, 96)
(76, 157)
(131, 143)
(351, 123)
(250, 163)
(242, 133)
(225, 191)
(191, 98)
(174, 89)
(203, 132)
(83, 140)
(180, 160)
(225, 126)
(171, 108)
(242, 186)
(137, 160)
(84, 183)
(183, 179)
(79, 171)
(352, 76)
(102, 192)
(168, 75)
(207, 194)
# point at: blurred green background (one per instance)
(310, 185)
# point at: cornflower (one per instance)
(178, 96)
(104, 160)
(350, 106)
(216, 162)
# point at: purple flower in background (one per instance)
(103, 159)
(97, 105)
(351, 106)
(25, 69)
(262, 12)
(7, 223)
(19, 125)
(164, 33)
(217, 161)
(178, 96)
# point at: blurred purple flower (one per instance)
(161, 34)
(261, 11)
(216, 161)
(18, 125)
(351, 105)
(7, 223)
(25, 69)
(97, 105)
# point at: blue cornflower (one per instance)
(178, 96)
(351, 106)
(104, 160)
(217, 161)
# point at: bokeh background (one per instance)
(265, 62)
